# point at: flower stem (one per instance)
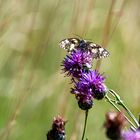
(130, 113)
(86, 116)
(139, 118)
(114, 105)
(121, 103)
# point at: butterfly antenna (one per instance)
(78, 36)
(87, 38)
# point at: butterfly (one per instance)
(73, 44)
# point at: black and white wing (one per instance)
(98, 51)
(69, 44)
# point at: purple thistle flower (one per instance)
(131, 135)
(76, 63)
(90, 84)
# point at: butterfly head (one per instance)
(83, 44)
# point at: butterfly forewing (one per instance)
(70, 44)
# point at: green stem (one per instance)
(130, 113)
(86, 116)
(114, 105)
(121, 103)
(139, 118)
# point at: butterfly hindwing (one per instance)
(98, 51)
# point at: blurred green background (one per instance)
(32, 87)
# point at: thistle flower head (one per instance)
(58, 129)
(91, 84)
(76, 63)
(85, 101)
(114, 124)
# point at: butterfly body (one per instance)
(73, 44)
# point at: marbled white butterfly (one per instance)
(71, 44)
